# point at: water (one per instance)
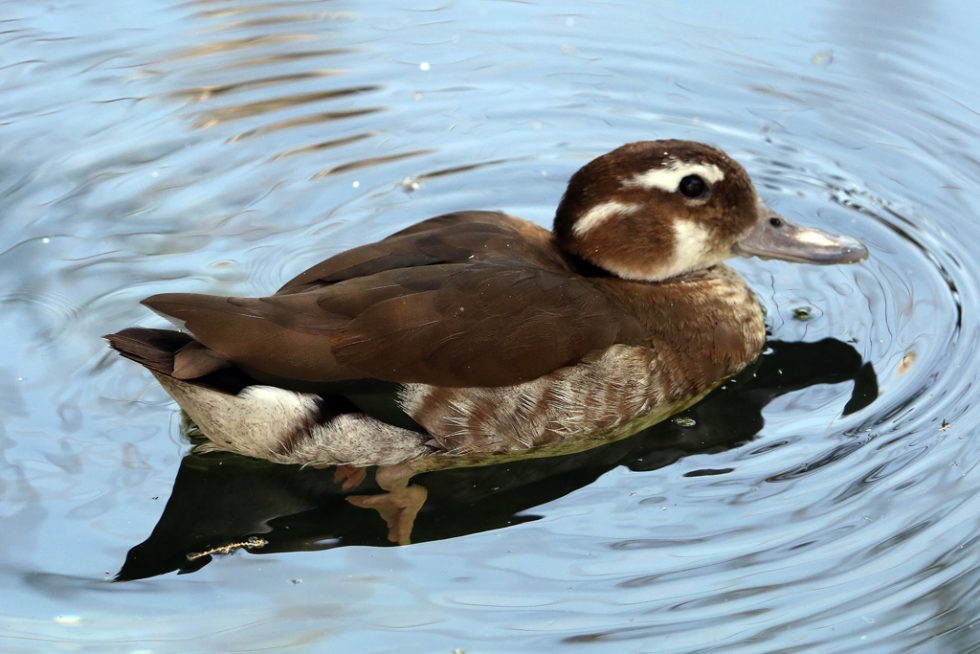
(822, 504)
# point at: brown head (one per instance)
(653, 210)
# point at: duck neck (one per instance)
(705, 325)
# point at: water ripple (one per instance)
(223, 146)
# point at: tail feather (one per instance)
(178, 355)
(152, 348)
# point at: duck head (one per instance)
(653, 210)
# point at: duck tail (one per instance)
(167, 352)
(154, 349)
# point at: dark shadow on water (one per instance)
(223, 502)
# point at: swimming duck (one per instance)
(500, 336)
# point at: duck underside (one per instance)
(618, 390)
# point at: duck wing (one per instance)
(466, 299)
(473, 324)
(461, 237)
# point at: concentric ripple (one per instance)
(225, 145)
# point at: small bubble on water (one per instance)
(424, 66)
(68, 619)
(411, 184)
(824, 58)
(45, 240)
(685, 421)
(356, 183)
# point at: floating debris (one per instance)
(251, 543)
(411, 184)
(945, 425)
(802, 313)
(906, 363)
(684, 421)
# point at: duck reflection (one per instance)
(223, 502)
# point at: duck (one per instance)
(497, 336)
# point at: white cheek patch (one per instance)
(691, 251)
(691, 245)
(601, 213)
(669, 177)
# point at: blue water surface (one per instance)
(224, 145)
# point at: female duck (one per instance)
(500, 335)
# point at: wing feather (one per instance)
(434, 304)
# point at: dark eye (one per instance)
(693, 187)
(775, 222)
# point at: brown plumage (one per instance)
(430, 299)
(502, 335)
(436, 300)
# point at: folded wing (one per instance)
(425, 305)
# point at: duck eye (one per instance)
(775, 222)
(693, 187)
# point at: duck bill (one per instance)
(774, 237)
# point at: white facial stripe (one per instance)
(668, 178)
(601, 213)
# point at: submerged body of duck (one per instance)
(500, 336)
